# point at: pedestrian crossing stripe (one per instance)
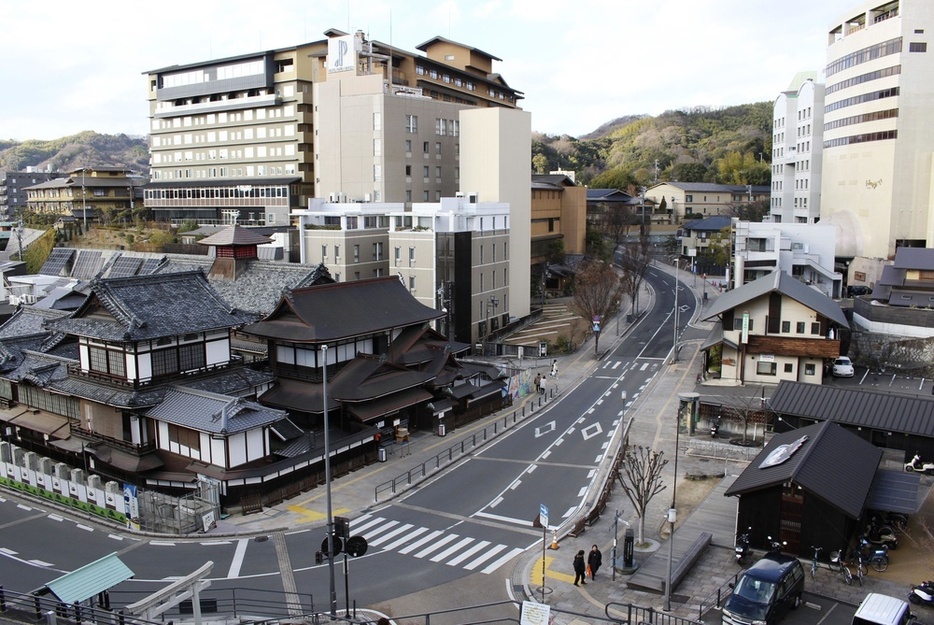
(435, 545)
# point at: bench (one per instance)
(689, 557)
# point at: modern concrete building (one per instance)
(797, 149)
(255, 137)
(803, 251)
(13, 196)
(876, 184)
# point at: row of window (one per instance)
(434, 74)
(800, 326)
(765, 367)
(260, 113)
(863, 138)
(892, 46)
(206, 173)
(895, 70)
(218, 193)
(860, 119)
(863, 98)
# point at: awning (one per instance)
(90, 580)
(439, 406)
(56, 426)
(895, 491)
(714, 338)
(389, 404)
(72, 444)
(124, 460)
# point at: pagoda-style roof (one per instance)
(235, 235)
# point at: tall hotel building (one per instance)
(797, 127)
(256, 136)
(878, 137)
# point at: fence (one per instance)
(455, 452)
(717, 597)
(629, 613)
(593, 515)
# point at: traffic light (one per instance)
(342, 527)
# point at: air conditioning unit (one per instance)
(367, 197)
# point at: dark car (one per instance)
(765, 592)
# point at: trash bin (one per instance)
(442, 430)
(381, 454)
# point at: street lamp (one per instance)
(327, 486)
(674, 343)
(685, 399)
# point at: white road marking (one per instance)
(486, 556)
(441, 542)
(450, 550)
(503, 560)
(239, 553)
(418, 531)
(480, 545)
(506, 519)
(55, 517)
(86, 528)
(390, 535)
(418, 543)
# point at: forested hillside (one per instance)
(85, 149)
(729, 145)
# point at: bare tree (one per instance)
(617, 220)
(641, 479)
(635, 258)
(597, 291)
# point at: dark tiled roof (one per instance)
(607, 195)
(905, 414)
(151, 307)
(551, 181)
(714, 223)
(786, 285)
(915, 258)
(828, 452)
(115, 396)
(29, 320)
(327, 312)
(258, 289)
(212, 413)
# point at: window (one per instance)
(411, 124)
(426, 171)
(799, 327)
(398, 254)
(164, 362)
(738, 323)
(337, 251)
(408, 171)
(438, 148)
(765, 368)
(183, 437)
(918, 46)
(786, 327)
(408, 146)
(815, 327)
(377, 121)
(411, 256)
(412, 284)
(789, 367)
(809, 369)
(440, 127)
(106, 361)
(438, 172)
(356, 253)
(426, 147)
(324, 252)
(191, 357)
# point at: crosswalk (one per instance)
(437, 546)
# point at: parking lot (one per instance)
(889, 380)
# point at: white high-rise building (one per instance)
(876, 184)
(797, 128)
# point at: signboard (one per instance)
(543, 515)
(341, 54)
(596, 323)
(745, 338)
(535, 613)
(131, 506)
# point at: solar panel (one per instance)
(150, 265)
(125, 266)
(57, 262)
(87, 265)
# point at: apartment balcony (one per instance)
(169, 109)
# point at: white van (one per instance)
(877, 609)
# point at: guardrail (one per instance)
(457, 451)
(593, 515)
(629, 613)
(717, 597)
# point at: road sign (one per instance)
(543, 515)
(356, 546)
(338, 545)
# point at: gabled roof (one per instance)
(327, 312)
(607, 195)
(150, 307)
(827, 452)
(29, 320)
(786, 285)
(439, 39)
(551, 181)
(904, 414)
(212, 413)
(89, 580)
(235, 235)
(714, 223)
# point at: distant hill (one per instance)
(728, 145)
(85, 149)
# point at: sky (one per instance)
(71, 67)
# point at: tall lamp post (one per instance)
(685, 399)
(674, 342)
(327, 486)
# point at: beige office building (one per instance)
(257, 136)
(878, 137)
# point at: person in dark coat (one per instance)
(594, 560)
(580, 568)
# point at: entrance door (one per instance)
(791, 512)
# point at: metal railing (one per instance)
(629, 613)
(717, 597)
(457, 451)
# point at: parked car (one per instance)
(765, 592)
(843, 367)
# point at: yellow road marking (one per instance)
(311, 516)
(535, 576)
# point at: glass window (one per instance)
(809, 369)
(799, 327)
(765, 368)
(786, 326)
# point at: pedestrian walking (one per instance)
(594, 561)
(541, 385)
(579, 568)
(538, 382)
(554, 368)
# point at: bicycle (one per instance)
(814, 563)
(860, 566)
(837, 563)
